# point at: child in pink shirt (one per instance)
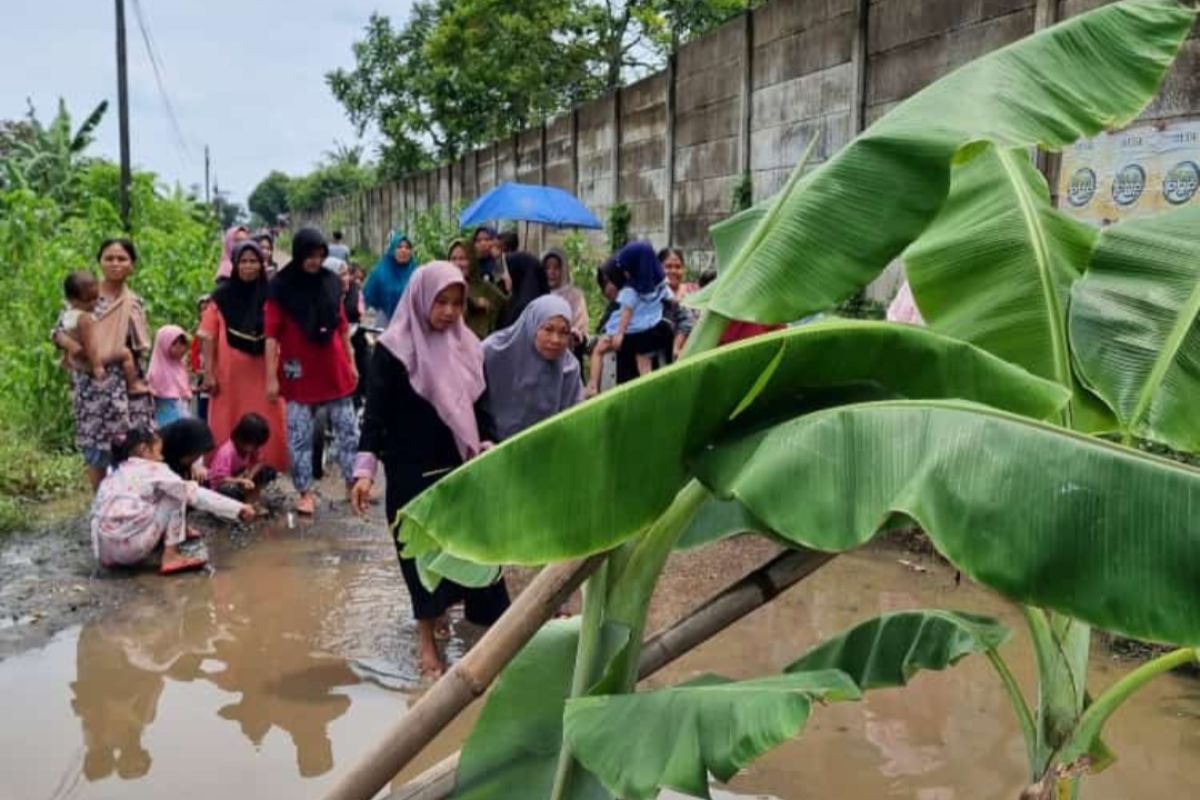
(236, 468)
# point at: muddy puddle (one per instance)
(948, 735)
(270, 675)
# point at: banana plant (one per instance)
(826, 434)
(1108, 314)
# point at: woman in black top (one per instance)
(421, 421)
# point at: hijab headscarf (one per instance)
(313, 300)
(569, 292)
(241, 304)
(444, 367)
(639, 261)
(185, 438)
(388, 280)
(168, 377)
(523, 387)
(226, 268)
(485, 300)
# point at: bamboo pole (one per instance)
(466, 680)
(705, 621)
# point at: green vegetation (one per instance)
(456, 75)
(979, 430)
(51, 222)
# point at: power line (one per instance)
(156, 66)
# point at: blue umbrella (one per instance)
(523, 202)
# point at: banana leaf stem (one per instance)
(587, 665)
(706, 335)
(1098, 713)
(631, 590)
(1017, 699)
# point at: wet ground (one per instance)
(270, 673)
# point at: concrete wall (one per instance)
(745, 100)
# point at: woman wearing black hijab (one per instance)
(309, 361)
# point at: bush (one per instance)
(40, 242)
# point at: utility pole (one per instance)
(123, 108)
(207, 194)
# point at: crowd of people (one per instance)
(471, 350)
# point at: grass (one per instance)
(30, 476)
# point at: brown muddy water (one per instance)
(269, 675)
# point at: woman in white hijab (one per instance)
(531, 373)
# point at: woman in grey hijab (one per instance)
(530, 370)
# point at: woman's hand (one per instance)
(199, 472)
(618, 341)
(360, 496)
(272, 389)
(247, 513)
(209, 384)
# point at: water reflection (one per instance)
(268, 628)
(251, 632)
(122, 663)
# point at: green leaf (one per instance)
(887, 651)
(513, 749)
(1133, 326)
(1044, 516)
(997, 265)
(845, 221)
(717, 520)
(615, 463)
(711, 725)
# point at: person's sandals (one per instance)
(182, 565)
(306, 505)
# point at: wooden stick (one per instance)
(466, 680)
(710, 618)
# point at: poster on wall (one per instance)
(1131, 173)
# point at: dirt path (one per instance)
(49, 580)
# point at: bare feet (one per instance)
(429, 660)
(431, 664)
(441, 629)
(138, 388)
(305, 504)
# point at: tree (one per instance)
(270, 197)
(48, 159)
(457, 75)
(326, 181)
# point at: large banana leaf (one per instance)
(639, 743)
(1133, 325)
(596, 475)
(1045, 516)
(513, 749)
(841, 224)
(997, 265)
(718, 726)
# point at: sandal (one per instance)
(182, 565)
(306, 505)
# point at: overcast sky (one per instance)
(244, 77)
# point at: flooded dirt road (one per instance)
(949, 735)
(269, 675)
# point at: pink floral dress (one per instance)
(142, 503)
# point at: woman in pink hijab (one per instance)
(233, 237)
(421, 420)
